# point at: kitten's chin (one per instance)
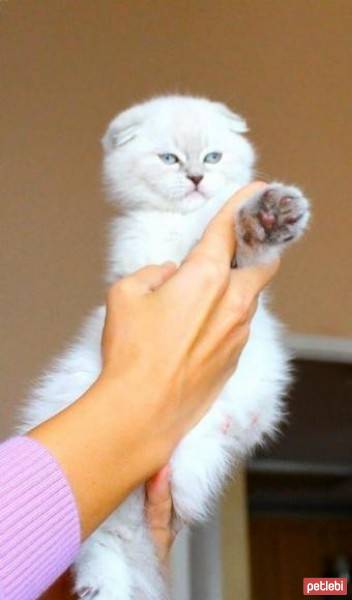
(191, 202)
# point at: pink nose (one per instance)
(195, 178)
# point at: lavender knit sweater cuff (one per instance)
(39, 521)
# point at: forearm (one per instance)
(103, 455)
(65, 477)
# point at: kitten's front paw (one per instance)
(273, 217)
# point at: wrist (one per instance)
(103, 451)
(133, 410)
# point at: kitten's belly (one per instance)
(248, 409)
(153, 243)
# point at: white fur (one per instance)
(160, 217)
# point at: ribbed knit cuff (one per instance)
(39, 521)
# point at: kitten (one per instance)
(169, 165)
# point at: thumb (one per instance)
(219, 239)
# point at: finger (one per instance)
(219, 239)
(218, 247)
(228, 325)
(158, 500)
(239, 303)
(150, 278)
(237, 307)
(247, 282)
(158, 487)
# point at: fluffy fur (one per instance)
(163, 172)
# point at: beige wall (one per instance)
(67, 67)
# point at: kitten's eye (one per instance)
(213, 157)
(169, 159)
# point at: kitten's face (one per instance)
(175, 154)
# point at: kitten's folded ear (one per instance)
(122, 129)
(237, 124)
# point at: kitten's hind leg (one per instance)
(268, 222)
(101, 571)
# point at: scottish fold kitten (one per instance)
(169, 165)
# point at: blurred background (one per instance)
(65, 69)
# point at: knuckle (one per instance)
(118, 291)
(241, 309)
(237, 317)
(245, 333)
(239, 341)
(123, 286)
(214, 273)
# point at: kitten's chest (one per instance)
(170, 236)
(177, 240)
(152, 238)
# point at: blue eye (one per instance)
(168, 159)
(213, 157)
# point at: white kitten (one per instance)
(169, 165)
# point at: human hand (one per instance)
(172, 338)
(176, 334)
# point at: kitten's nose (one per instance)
(195, 178)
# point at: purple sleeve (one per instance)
(39, 521)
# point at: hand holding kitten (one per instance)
(205, 308)
(106, 428)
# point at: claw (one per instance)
(87, 593)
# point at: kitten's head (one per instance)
(175, 153)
